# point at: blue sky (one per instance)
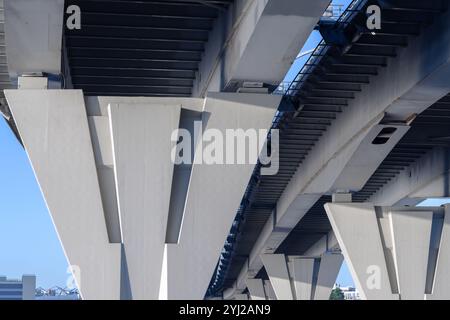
(28, 241)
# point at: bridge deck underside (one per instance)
(333, 76)
(139, 48)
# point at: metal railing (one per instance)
(293, 87)
(334, 11)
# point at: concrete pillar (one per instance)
(269, 290)
(28, 287)
(388, 252)
(105, 171)
(329, 267)
(240, 297)
(214, 194)
(277, 270)
(141, 138)
(441, 288)
(256, 289)
(302, 278)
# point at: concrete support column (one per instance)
(277, 270)
(394, 252)
(302, 278)
(329, 267)
(256, 289)
(53, 126)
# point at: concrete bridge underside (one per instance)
(363, 133)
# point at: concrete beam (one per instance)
(142, 146)
(302, 277)
(58, 143)
(413, 81)
(441, 290)
(256, 289)
(428, 177)
(330, 264)
(132, 146)
(303, 274)
(215, 193)
(33, 35)
(237, 50)
(277, 270)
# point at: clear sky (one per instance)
(28, 241)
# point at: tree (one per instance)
(337, 294)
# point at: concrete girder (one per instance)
(237, 50)
(277, 270)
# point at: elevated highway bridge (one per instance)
(363, 138)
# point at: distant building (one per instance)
(18, 289)
(350, 293)
(57, 293)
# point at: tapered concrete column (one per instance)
(269, 290)
(256, 289)
(329, 267)
(105, 170)
(33, 35)
(388, 251)
(277, 270)
(240, 297)
(441, 287)
(302, 278)
(54, 128)
(303, 273)
(141, 135)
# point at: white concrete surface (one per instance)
(413, 81)
(142, 146)
(237, 49)
(215, 192)
(441, 288)
(356, 229)
(330, 264)
(303, 271)
(54, 128)
(411, 235)
(277, 270)
(388, 252)
(426, 178)
(33, 35)
(256, 289)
